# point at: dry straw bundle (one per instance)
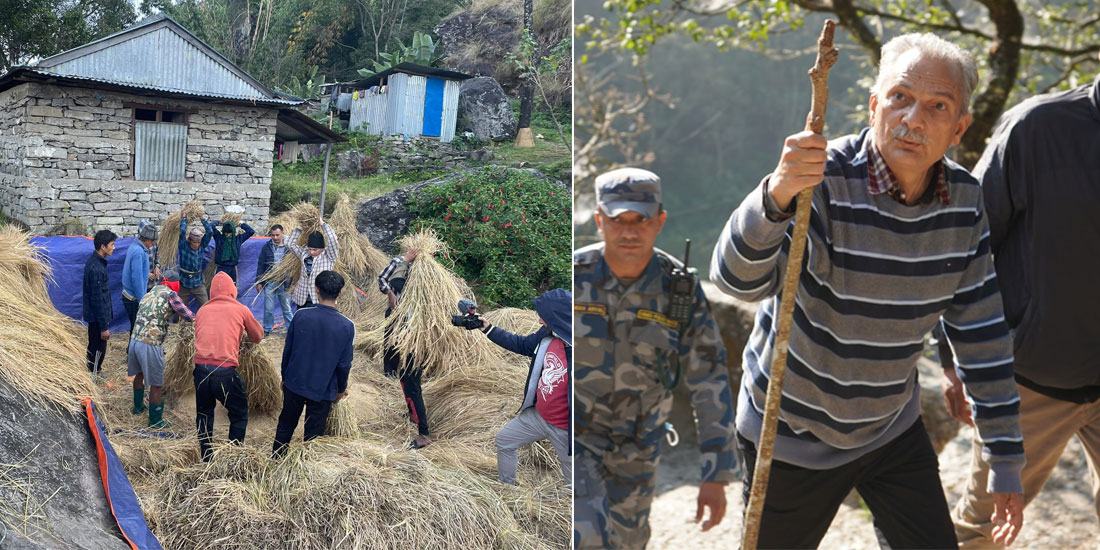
(358, 256)
(342, 421)
(421, 323)
(514, 320)
(40, 354)
(305, 216)
(261, 376)
(332, 493)
(168, 243)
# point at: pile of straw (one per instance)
(260, 374)
(179, 358)
(514, 320)
(333, 493)
(168, 243)
(358, 256)
(342, 421)
(421, 322)
(40, 353)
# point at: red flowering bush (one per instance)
(510, 232)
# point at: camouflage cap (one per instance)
(630, 189)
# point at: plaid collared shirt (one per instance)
(325, 261)
(881, 180)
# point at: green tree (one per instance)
(1021, 47)
(32, 29)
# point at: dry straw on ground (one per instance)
(168, 243)
(334, 493)
(40, 354)
(514, 320)
(421, 324)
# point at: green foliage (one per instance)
(32, 29)
(310, 89)
(509, 232)
(471, 143)
(294, 183)
(421, 52)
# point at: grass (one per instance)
(299, 182)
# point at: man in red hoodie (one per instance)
(218, 327)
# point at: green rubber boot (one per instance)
(156, 416)
(139, 401)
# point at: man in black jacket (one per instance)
(96, 307)
(274, 291)
(1039, 178)
(545, 412)
(316, 363)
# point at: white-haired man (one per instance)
(898, 240)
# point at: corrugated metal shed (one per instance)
(158, 53)
(401, 108)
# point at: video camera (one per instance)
(468, 318)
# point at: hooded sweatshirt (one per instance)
(219, 323)
(551, 368)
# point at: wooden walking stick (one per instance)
(815, 121)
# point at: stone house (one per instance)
(133, 125)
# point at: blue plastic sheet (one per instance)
(116, 486)
(67, 255)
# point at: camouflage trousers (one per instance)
(612, 499)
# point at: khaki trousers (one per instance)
(1047, 425)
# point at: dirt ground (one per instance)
(1062, 516)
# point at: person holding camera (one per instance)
(391, 281)
(545, 410)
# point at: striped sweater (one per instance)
(878, 275)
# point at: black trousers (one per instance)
(316, 416)
(97, 347)
(410, 383)
(900, 483)
(222, 385)
(228, 270)
(131, 307)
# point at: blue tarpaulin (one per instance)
(67, 255)
(120, 494)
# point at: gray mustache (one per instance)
(904, 132)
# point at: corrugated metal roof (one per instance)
(158, 54)
(410, 68)
(13, 78)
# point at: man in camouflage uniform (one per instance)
(145, 358)
(625, 346)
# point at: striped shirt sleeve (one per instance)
(749, 259)
(975, 326)
(179, 307)
(384, 276)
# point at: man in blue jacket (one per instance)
(270, 255)
(97, 310)
(316, 362)
(548, 393)
(227, 247)
(136, 271)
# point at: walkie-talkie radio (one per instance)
(681, 288)
(681, 301)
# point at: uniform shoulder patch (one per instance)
(588, 255)
(590, 308)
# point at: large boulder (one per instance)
(52, 480)
(483, 109)
(478, 43)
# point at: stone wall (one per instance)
(65, 160)
(394, 154)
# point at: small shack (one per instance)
(407, 99)
(135, 124)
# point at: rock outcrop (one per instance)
(483, 109)
(51, 478)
